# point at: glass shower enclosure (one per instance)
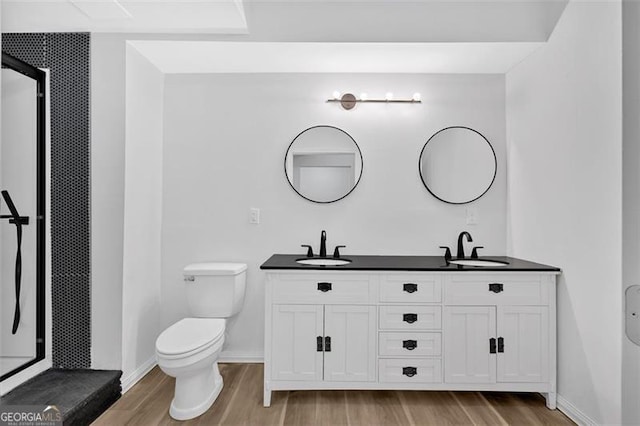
(22, 216)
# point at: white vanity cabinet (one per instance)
(323, 342)
(427, 330)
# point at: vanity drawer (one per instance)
(322, 288)
(498, 289)
(409, 344)
(411, 288)
(410, 370)
(410, 317)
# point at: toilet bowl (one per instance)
(189, 349)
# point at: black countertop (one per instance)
(404, 263)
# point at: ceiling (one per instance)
(184, 57)
(129, 16)
(296, 20)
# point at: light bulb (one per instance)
(388, 96)
(364, 96)
(336, 95)
(417, 96)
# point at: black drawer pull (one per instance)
(409, 344)
(410, 287)
(319, 344)
(496, 287)
(410, 318)
(324, 287)
(492, 345)
(327, 344)
(500, 345)
(409, 371)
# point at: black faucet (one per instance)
(460, 254)
(323, 244)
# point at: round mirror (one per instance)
(457, 165)
(323, 164)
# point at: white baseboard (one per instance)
(241, 357)
(231, 357)
(574, 413)
(139, 373)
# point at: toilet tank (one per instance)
(215, 289)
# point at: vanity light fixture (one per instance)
(349, 101)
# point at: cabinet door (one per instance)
(352, 330)
(525, 330)
(467, 330)
(294, 354)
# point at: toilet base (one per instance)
(188, 401)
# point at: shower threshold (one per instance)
(80, 395)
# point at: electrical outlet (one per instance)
(473, 218)
(254, 215)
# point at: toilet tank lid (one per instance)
(215, 268)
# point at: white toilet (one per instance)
(188, 350)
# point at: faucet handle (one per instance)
(447, 253)
(336, 252)
(474, 252)
(309, 250)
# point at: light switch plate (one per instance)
(254, 215)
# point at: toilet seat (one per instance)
(190, 336)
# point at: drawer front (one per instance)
(410, 317)
(322, 288)
(409, 344)
(411, 288)
(498, 289)
(410, 370)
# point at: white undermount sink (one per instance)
(324, 262)
(478, 262)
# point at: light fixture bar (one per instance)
(383, 101)
(349, 101)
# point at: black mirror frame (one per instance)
(495, 160)
(289, 148)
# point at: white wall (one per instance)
(225, 141)
(631, 197)
(107, 198)
(142, 214)
(564, 200)
(108, 62)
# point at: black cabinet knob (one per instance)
(409, 371)
(410, 318)
(324, 287)
(327, 344)
(410, 287)
(496, 287)
(410, 344)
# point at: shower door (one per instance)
(22, 203)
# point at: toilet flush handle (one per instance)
(189, 278)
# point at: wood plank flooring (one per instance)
(240, 403)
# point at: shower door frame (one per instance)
(40, 77)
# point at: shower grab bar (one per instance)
(18, 221)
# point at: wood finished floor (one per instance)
(240, 403)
